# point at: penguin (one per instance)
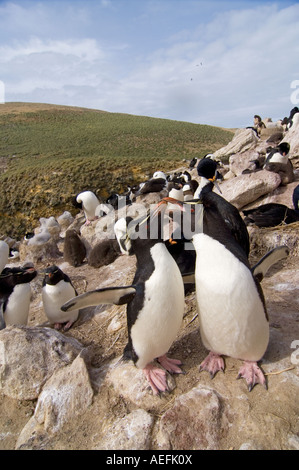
(155, 300)
(57, 289)
(273, 214)
(192, 163)
(277, 154)
(231, 306)
(154, 185)
(103, 253)
(189, 189)
(74, 251)
(15, 294)
(4, 254)
(87, 201)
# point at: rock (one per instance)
(195, 421)
(133, 432)
(65, 395)
(244, 189)
(244, 139)
(270, 237)
(280, 195)
(269, 131)
(39, 252)
(65, 220)
(129, 381)
(292, 137)
(29, 356)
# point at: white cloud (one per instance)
(221, 71)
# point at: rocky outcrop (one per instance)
(244, 189)
(29, 356)
(64, 396)
(244, 139)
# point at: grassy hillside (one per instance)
(50, 153)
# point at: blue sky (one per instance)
(209, 62)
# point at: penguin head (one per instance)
(284, 148)
(76, 203)
(18, 275)
(53, 275)
(207, 168)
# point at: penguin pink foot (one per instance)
(212, 363)
(253, 375)
(171, 365)
(63, 326)
(156, 377)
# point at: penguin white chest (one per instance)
(232, 317)
(17, 308)
(54, 297)
(158, 322)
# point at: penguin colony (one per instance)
(231, 306)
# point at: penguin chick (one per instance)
(15, 294)
(56, 290)
(103, 253)
(155, 301)
(74, 251)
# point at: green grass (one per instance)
(50, 153)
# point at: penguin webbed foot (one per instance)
(171, 365)
(156, 377)
(63, 326)
(251, 372)
(212, 364)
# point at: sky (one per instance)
(207, 62)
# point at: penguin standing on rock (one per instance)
(56, 290)
(231, 307)
(155, 300)
(15, 294)
(87, 201)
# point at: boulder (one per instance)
(244, 139)
(280, 195)
(292, 137)
(29, 356)
(244, 189)
(129, 381)
(196, 420)
(65, 395)
(132, 432)
(38, 252)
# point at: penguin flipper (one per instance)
(2, 321)
(108, 295)
(260, 269)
